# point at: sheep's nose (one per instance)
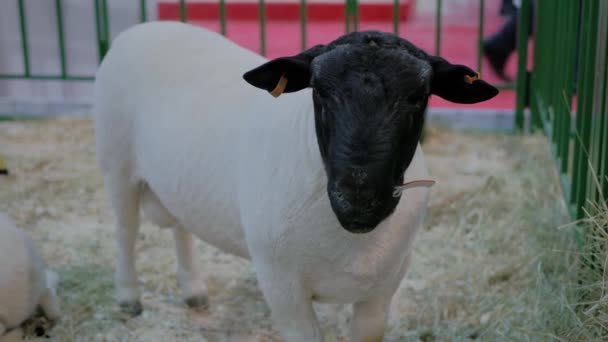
(356, 206)
(354, 196)
(358, 195)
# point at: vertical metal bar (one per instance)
(24, 41)
(523, 28)
(101, 20)
(438, 28)
(262, 8)
(223, 17)
(61, 38)
(583, 116)
(603, 170)
(396, 16)
(303, 24)
(563, 93)
(98, 31)
(183, 11)
(535, 77)
(356, 14)
(351, 8)
(601, 159)
(557, 84)
(552, 62)
(347, 16)
(597, 106)
(480, 30)
(572, 16)
(143, 11)
(106, 20)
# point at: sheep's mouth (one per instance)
(358, 229)
(361, 221)
(356, 226)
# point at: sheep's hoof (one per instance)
(132, 309)
(197, 302)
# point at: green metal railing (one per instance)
(102, 22)
(568, 92)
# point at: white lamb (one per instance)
(25, 282)
(305, 185)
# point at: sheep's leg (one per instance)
(2, 329)
(125, 201)
(370, 316)
(369, 319)
(50, 301)
(50, 306)
(290, 306)
(190, 282)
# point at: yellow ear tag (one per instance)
(280, 88)
(470, 79)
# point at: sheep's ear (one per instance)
(458, 83)
(284, 74)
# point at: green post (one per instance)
(303, 24)
(356, 12)
(571, 19)
(24, 41)
(396, 16)
(351, 15)
(438, 28)
(143, 11)
(557, 84)
(583, 116)
(262, 8)
(603, 170)
(61, 38)
(223, 17)
(598, 108)
(183, 11)
(523, 29)
(480, 31)
(102, 25)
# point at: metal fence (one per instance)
(102, 21)
(568, 91)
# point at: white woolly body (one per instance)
(236, 167)
(24, 281)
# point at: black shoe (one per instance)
(497, 59)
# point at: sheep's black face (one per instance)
(370, 92)
(369, 105)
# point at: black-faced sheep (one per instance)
(301, 184)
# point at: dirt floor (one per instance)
(472, 278)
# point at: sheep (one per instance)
(25, 282)
(302, 184)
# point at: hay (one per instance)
(490, 264)
(589, 297)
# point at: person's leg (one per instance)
(499, 46)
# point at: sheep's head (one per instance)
(370, 93)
